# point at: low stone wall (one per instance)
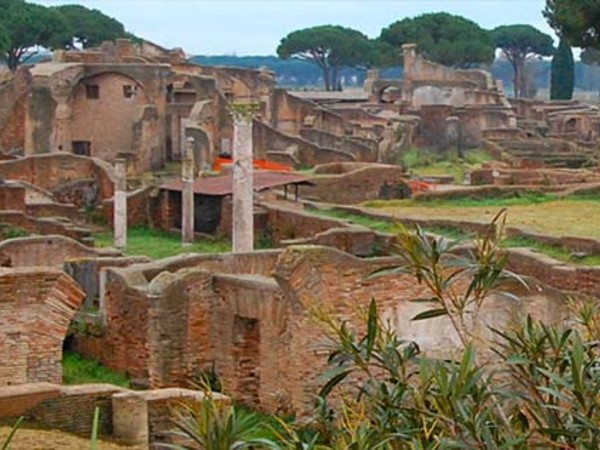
(531, 177)
(584, 281)
(141, 418)
(88, 272)
(286, 223)
(52, 251)
(73, 409)
(369, 182)
(50, 171)
(45, 226)
(479, 192)
(40, 210)
(569, 243)
(357, 241)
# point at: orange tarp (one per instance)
(261, 164)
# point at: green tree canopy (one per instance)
(4, 41)
(562, 80)
(329, 47)
(576, 20)
(443, 38)
(29, 25)
(89, 27)
(518, 44)
(590, 56)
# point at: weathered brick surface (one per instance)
(45, 226)
(133, 308)
(580, 279)
(140, 205)
(51, 171)
(364, 183)
(36, 307)
(248, 319)
(73, 409)
(285, 222)
(12, 198)
(15, 401)
(50, 251)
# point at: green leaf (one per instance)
(333, 382)
(371, 327)
(430, 314)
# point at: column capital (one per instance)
(243, 111)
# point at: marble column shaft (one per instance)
(120, 204)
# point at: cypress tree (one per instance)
(562, 80)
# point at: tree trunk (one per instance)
(326, 78)
(334, 81)
(518, 77)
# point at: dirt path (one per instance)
(579, 218)
(34, 439)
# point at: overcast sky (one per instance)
(248, 27)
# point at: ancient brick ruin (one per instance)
(245, 318)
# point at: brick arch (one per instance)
(36, 308)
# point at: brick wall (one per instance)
(139, 208)
(36, 307)
(12, 198)
(71, 409)
(290, 223)
(44, 226)
(249, 318)
(44, 251)
(131, 314)
(87, 271)
(575, 279)
(52, 171)
(360, 185)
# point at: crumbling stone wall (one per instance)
(50, 251)
(291, 113)
(13, 90)
(36, 307)
(257, 334)
(18, 219)
(124, 344)
(275, 145)
(354, 183)
(54, 171)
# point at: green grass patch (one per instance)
(389, 226)
(385, 226)
(449, 232)
(79, 370)
(557, 253)
(158, 244)
(522, 199)
(426, 163)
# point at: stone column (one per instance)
(120, 204)
(409, 53)
(187, 193)
(243, 183)
(130, 418)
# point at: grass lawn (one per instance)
(159, 244)
(78, 370)
(383, 225)
(423, 163)
(572, 216)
